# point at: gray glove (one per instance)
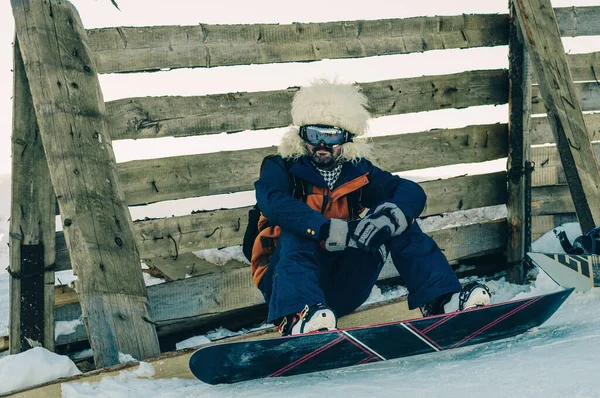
(395, 215)
(371, 232)
(338, 235)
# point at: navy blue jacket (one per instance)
(274, 193)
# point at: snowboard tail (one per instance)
(292, 355)
(581, 272)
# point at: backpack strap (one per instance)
(298, 189)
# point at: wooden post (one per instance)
(32, 226)
(97, 225)
(542, 39)
(519, 166)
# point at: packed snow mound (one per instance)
(32, 367)
(128, 384)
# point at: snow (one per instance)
(67, 327)
(152, 280)
(555, 360)
(127, 385)
(558, 359)
(64, 278)
(222, 256)
(546, 243)
(34, 366)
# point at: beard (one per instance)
(323, 157)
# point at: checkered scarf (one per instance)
(331, 176)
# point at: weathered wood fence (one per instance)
(61, 82)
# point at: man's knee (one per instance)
(412, 236)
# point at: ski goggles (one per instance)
(331, 136)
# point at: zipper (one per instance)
(325, 200)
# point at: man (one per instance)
(315, 258)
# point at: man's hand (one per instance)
(372, 232)
(395, 215)
(338, 235)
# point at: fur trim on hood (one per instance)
(334, 104)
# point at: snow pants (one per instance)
(301, 273)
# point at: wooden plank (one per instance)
(584, 67)
(172, 116)
(542, 39)
(578, 21)
(32, 225)
(152, 117)
(4, 343)
(549, 200)
(548, 166)
(64, 295)
(154, 180)
(453, 194)
(185, 303)
(543, 224)
(129, 49)
(588, 95)
(175, 364)
(175, 236)
(98, 227)
(518, 165)
(541, 133)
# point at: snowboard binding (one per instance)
(586, 244)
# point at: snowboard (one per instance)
(292, 355)
(581, 271)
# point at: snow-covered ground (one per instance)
(558, 359)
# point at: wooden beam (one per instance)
(542, 39)
(172, 116)
(551, 200)
(186, 303)
(129, 49)
(578, 21)
(154, 180)
(583, 67)
(541, 133)
(588, 94)
(69, 108)
(519, 165)
(550, 193)
(32, 225)
(549, 169)
(175, 236)
(4, 343)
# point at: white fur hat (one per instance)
(333, 104)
